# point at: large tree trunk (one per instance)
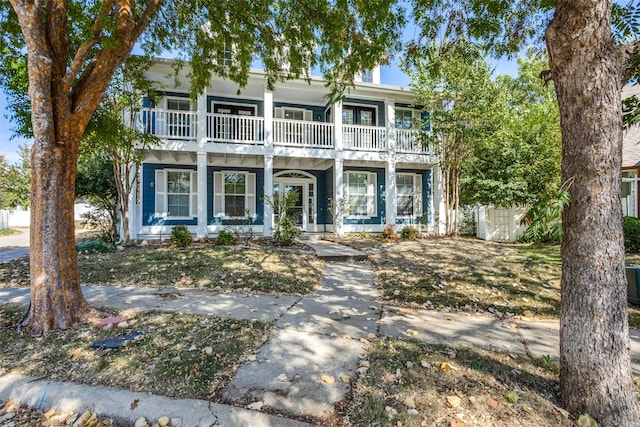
(56, 298)
(64, 95)
(588, 70)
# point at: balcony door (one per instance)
(230, 122)
(360, 116)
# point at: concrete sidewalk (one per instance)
(307, 364)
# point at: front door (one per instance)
(300, 212)
(297, 210)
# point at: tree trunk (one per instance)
(588, 71)
(56, 298)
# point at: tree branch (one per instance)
(85, 48)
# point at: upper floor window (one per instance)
(179, 120)
(404, 118)
(367, 76)
(176, 193)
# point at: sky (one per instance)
(390, 74)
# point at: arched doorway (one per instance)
(304, 184)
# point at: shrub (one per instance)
(180, 236)
(389, 234)
(225, 238)
(631, 229)
(94, 246)
(409, 233)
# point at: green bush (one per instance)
(389, 234)
(94, 246)
(180, 236)
(285, 231)
(409, 233)
(631, 229)
(225, 238)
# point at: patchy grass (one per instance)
(471, 275)
(410, 383)
(266, 270)
(182, 356)
(8, 232)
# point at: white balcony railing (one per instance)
(408, 141)
(225, 128)
(300, 133)
(169, 124)
(249, 130)
(364, 138)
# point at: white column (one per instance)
(390, 110)
(390, 185)
(268, 118)
(439, 207)
(268, 195)
(338, 184)
(337, 126)
(201, 230)
(202, 119)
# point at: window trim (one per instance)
(372, 188)
(193, 193)
(413, 117)
(417, 195)
(219, 194)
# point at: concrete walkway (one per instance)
(306, 365)
(14, 245)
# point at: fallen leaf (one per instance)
(585, 420)
(327, 379)
(458, 423)
(493, 403)
(511, 396)
(453, 401)
(134, 404)
(446, 366)
(345, 378)
(409, 402)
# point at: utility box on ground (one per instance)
(633, 284)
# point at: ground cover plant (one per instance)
(178, 355)
(240, 268)
(409, 383)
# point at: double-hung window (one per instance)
(176, 193)
(408, 195)
(234, 194)
(360, 191)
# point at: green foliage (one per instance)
(389, 234)
(101, 221)
(285, 230)
(631, 229)
(521, 160)
(409, 233)
(94, 246)
(181, 236)
(225, 238)
(544, 218)
(15, 181)
(453, 82)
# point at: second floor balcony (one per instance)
(171, 125)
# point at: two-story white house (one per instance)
(224, 154)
